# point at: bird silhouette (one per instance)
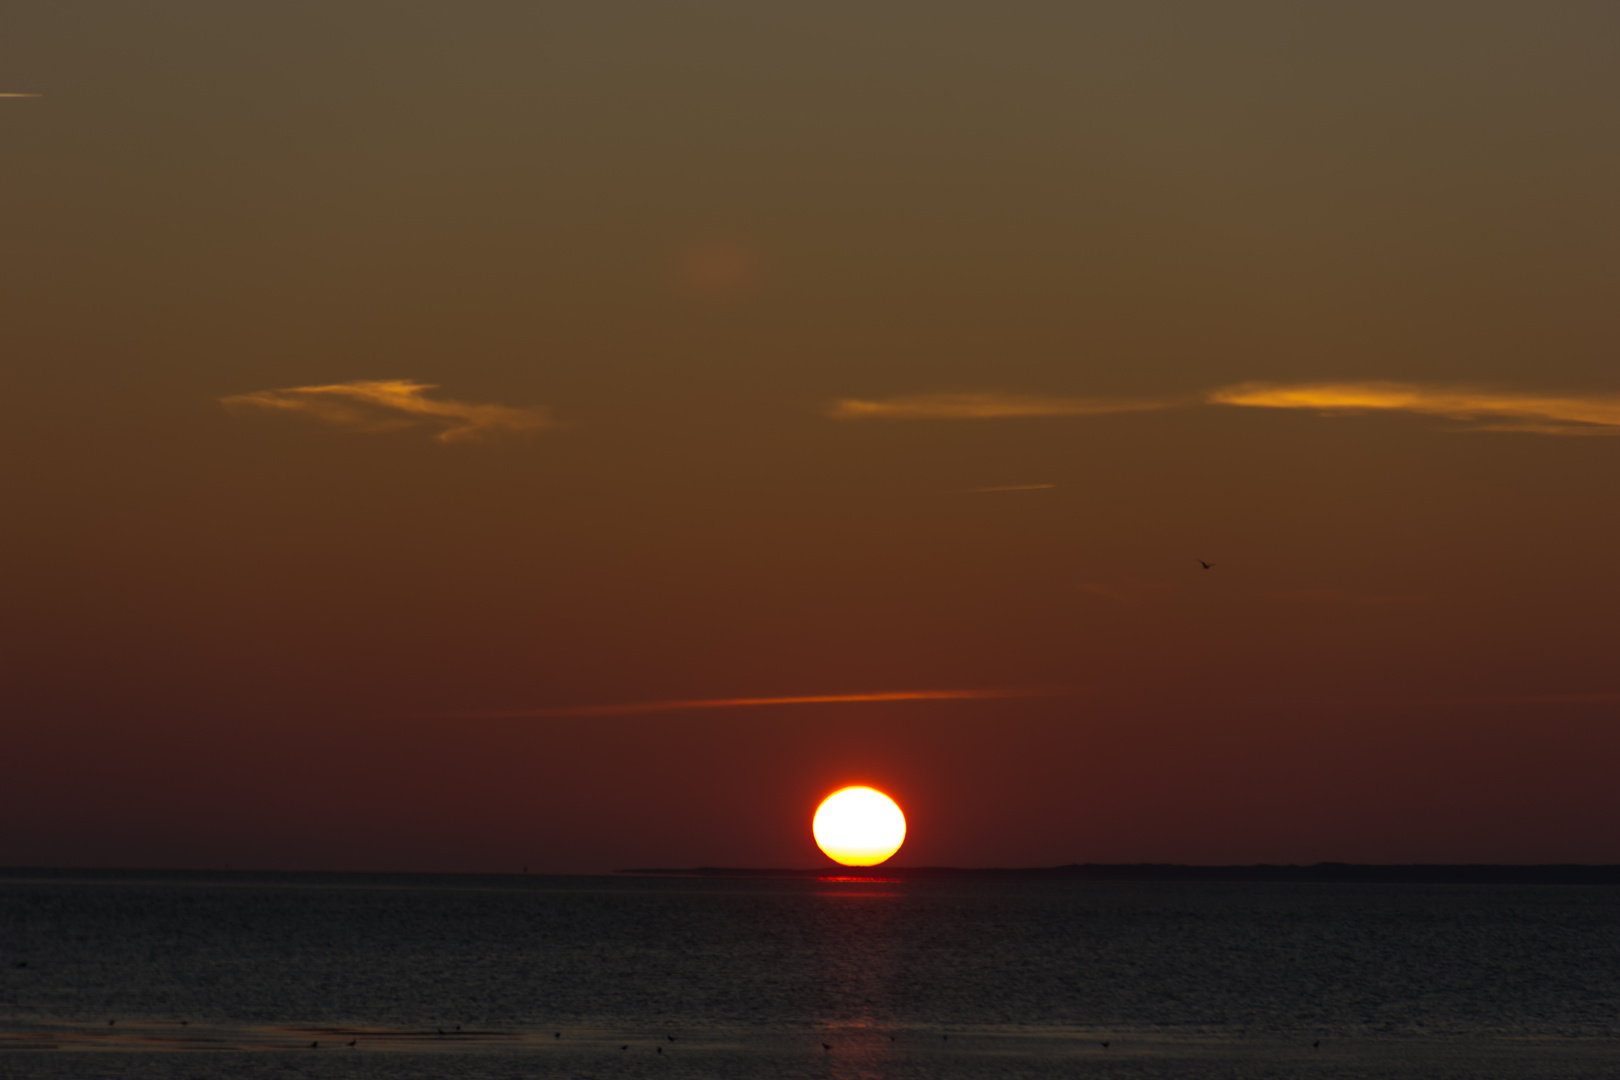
(353, 1041)
(22, 963)
(625, 1047)
(313, 1045)
(826, 1046)
(1105, 1046)
(1316, 1045)
(558, 1035)
(660, 1049)
(1206, 565)
(110, 1023)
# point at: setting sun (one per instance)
(859, 827)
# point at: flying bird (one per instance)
(1206, 565)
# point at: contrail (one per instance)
(641, 707)
(22, 95)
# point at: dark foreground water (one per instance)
(152, 976)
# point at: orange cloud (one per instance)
(641, 707)
(392, 405)
(1543, 414)
(983, 406)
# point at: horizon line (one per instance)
(25, 868)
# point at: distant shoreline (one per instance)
(1412, 874)
(1169, 873)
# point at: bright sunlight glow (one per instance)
(859, 827)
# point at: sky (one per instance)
(438, 434)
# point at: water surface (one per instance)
(236, 975)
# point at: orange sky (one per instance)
(397, 389)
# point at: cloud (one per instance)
(1488, 410)
(983, 406)
(392, 405)
(1482, 410)
(687, 705)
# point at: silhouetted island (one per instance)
(1409, 874)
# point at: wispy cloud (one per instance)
(392, 405)
(1487, 410)
(687, 705)
(1012, 487)
(1480, 409)
(983, 406)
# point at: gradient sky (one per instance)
(397, 388)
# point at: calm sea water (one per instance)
(235, 976)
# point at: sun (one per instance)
(859, 826)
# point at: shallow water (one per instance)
(236, 975)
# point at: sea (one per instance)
(164, 976)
